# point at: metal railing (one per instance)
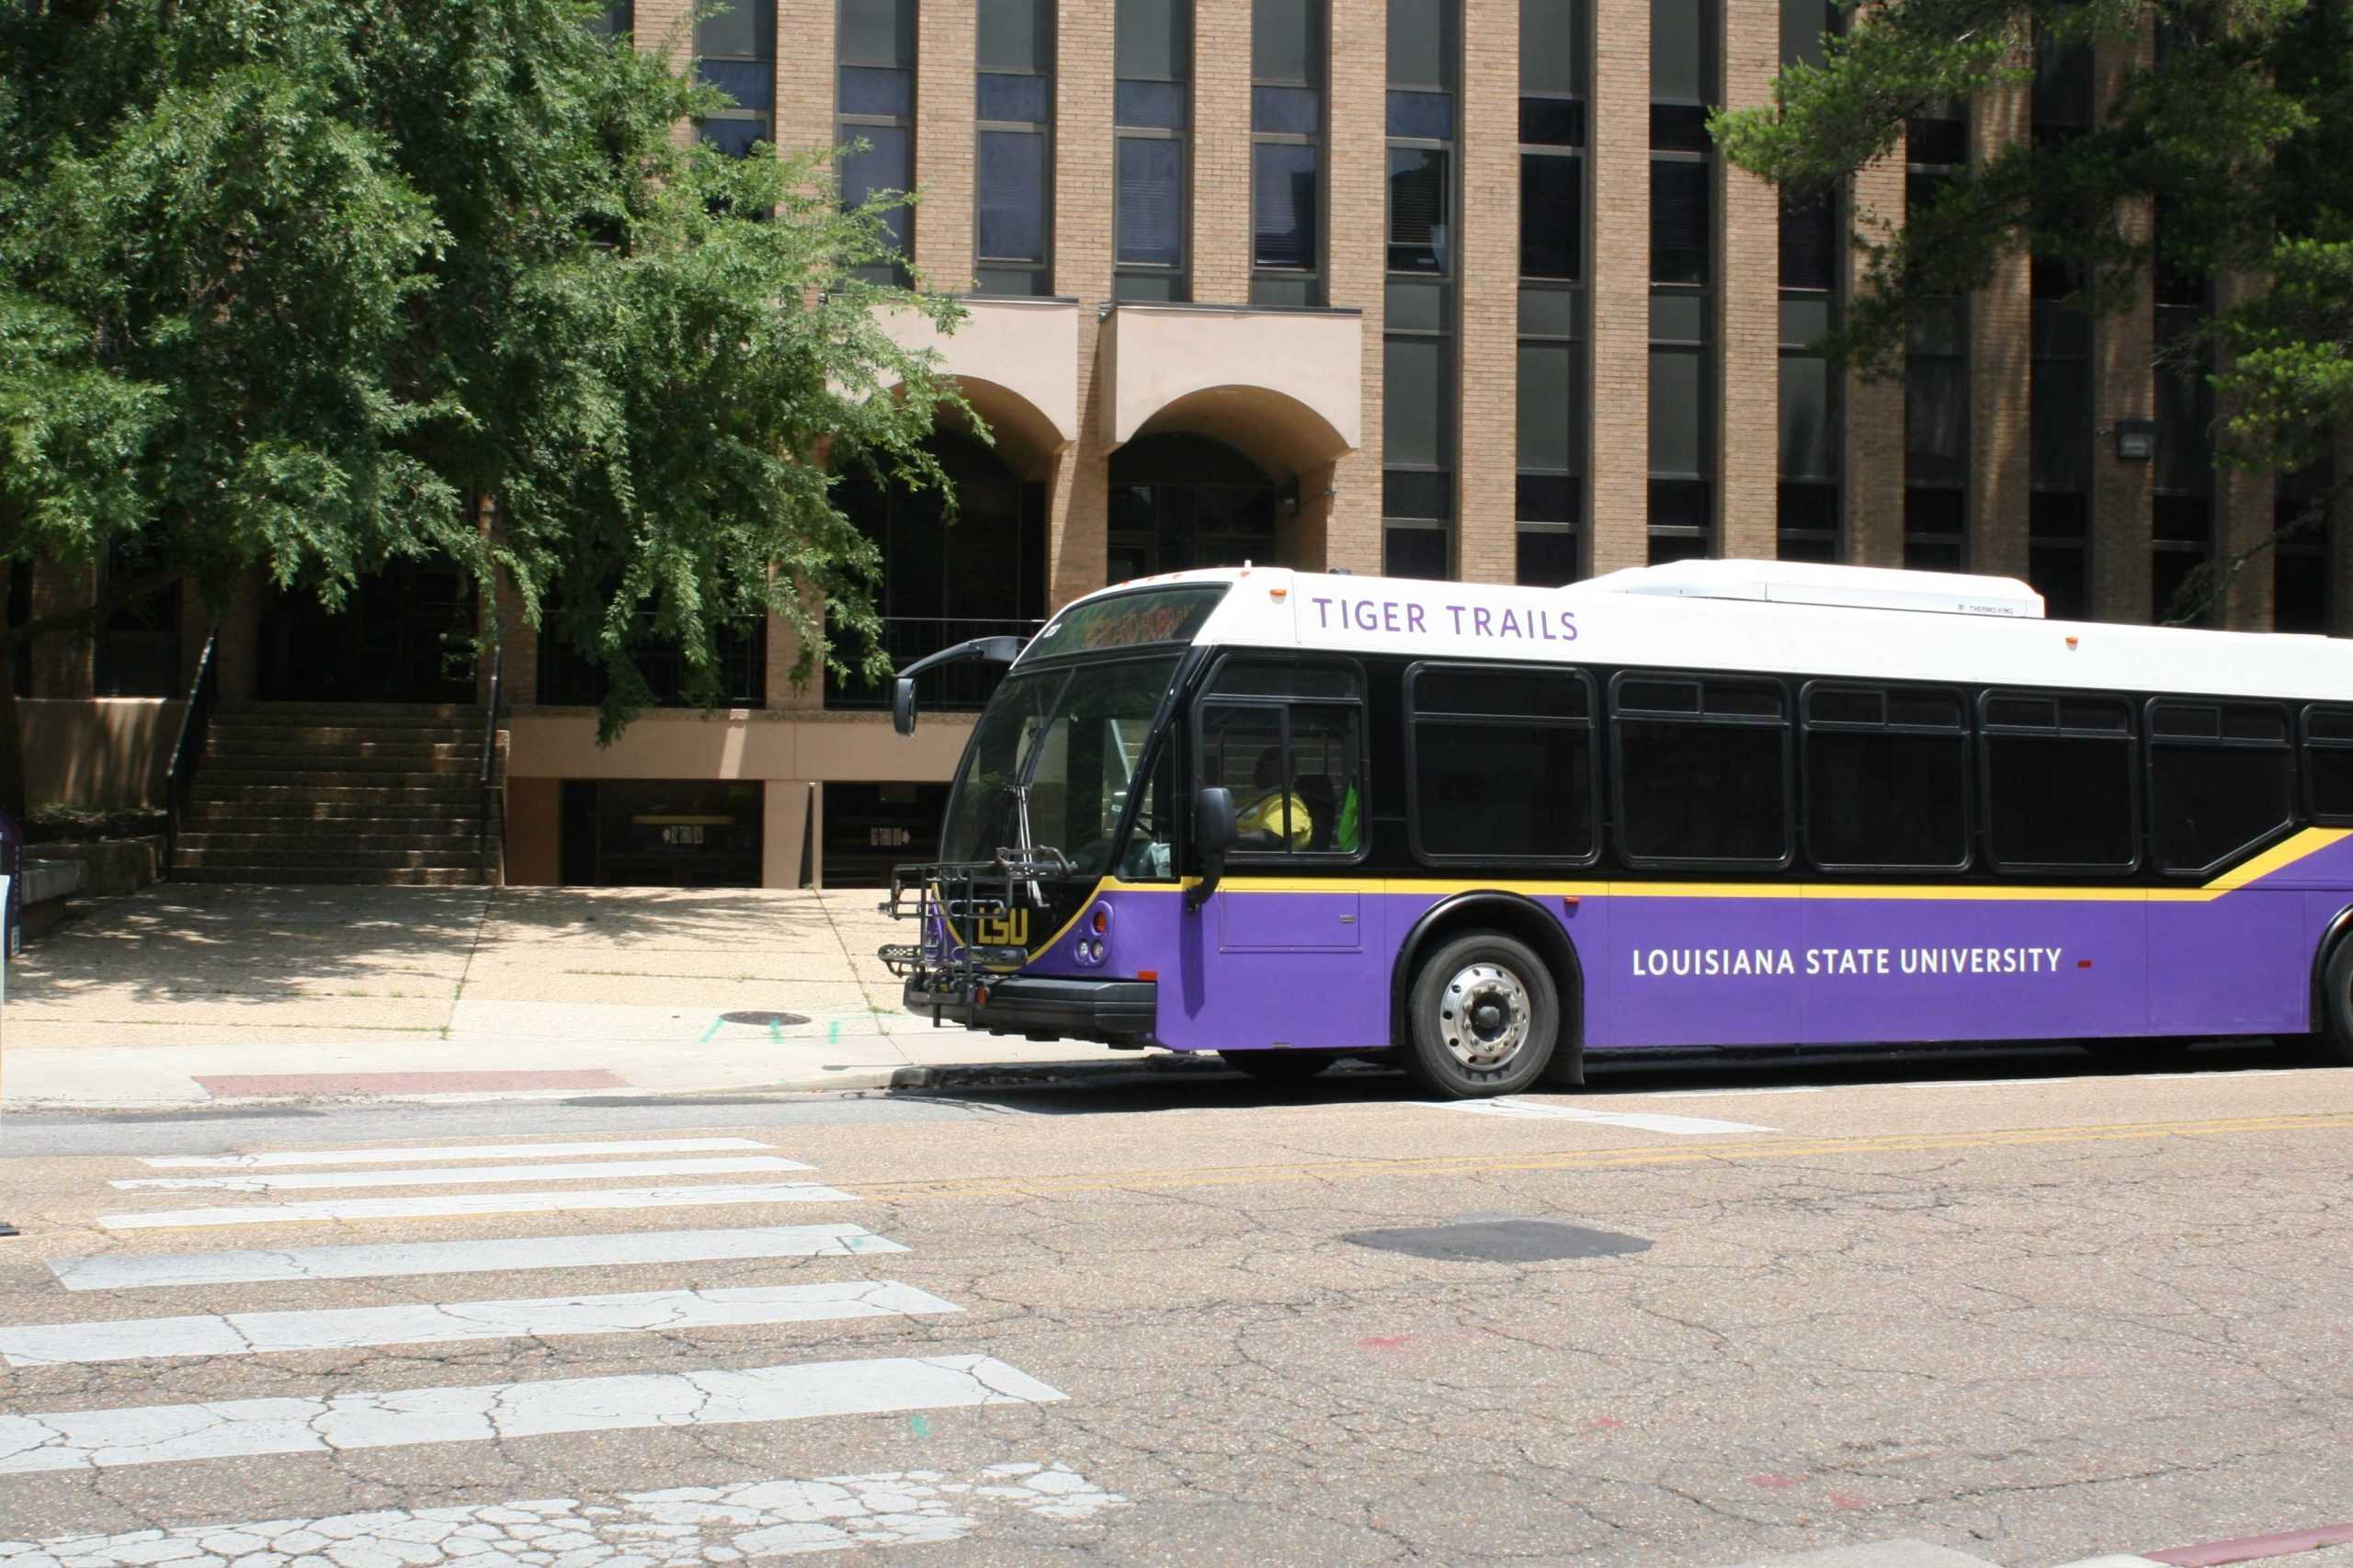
(188, 746)
(490, 780)
(960, 688)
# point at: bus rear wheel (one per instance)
(2333, 1033)
(1482, 1017)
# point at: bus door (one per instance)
(1281, 954)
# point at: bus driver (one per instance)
(1260, 823)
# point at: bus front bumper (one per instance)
(1114, 1012)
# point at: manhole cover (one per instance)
(765, 1020)
(1500, 1241)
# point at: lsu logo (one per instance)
(1010, 929)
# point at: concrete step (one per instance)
(295, 820)
(246, 838)
(346, 759)
(341, 740)
(347, 802)
(351, 712)
(335, 854)
(341, 876)
(381, 775)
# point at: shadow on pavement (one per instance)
(1115, 1088)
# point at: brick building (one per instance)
(1290, 280)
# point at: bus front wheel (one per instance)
(1482, 1016)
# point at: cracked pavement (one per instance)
(2031, 1321)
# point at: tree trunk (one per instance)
(12, 741)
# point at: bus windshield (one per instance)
(1053, 763)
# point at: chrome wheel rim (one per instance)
(1482, 1016)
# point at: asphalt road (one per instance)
(2009, 1303)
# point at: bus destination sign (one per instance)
(1519, 623)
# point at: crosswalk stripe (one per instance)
(454, 1152)
(1644, 1121)
(777, 1518)
(450, 1175)
(131, 1271)
(451, 1205)
(356, 1328)
(100, 1440)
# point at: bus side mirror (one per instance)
(1214, 833)
(903, 704)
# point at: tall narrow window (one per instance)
(1811, 418)
(1936, 368)
(735, 51)
(1552, 438)
(2300, 575)
(1014, 97)
(1418, 399)
(875, 50)
(1287, 82)
(2060, 444)
(1152, 108)
(1685, 73)
(2181, 522)
(617, 19)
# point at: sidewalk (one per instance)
(184, 995)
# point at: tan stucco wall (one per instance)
(1016, 360)
(785, 751)
(105, 751)
(1287, 387)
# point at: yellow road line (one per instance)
(1725, 1153)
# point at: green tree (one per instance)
(2236, 129)
(314, 286)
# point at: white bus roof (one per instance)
(1765, 616)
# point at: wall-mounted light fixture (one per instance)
(2136, 440)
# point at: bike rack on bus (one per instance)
(953, 901)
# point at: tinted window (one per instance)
(1287, 740)
(2222, 779)
(2059, 784)
(1503, 763)
(2328, 761)
(1885, 780)
(1712, 786)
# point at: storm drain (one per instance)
(1499, 1241)
(766, 1020)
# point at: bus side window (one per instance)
(1886, 778)
(1503, 763)
(2328, 764)
(2059, 785)
(1703, 770)
(2221, 781)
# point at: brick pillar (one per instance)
(1487, 543)
(519, 644)
(946, 36)
(1872, 484)
(1077, 492)
(1221, 151)
(63, 660)
(2244, 512)
(667, 27)
(805, 77)
(2124, 382)
(1749, 294)
(1621, 284)
(1357, 265)
(2001, 318)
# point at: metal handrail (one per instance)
(489, 754)
(196, 721)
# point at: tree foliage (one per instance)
(2234, 127)
(303, 283)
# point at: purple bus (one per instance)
(1486, 830)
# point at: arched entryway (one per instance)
(1180, 501)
